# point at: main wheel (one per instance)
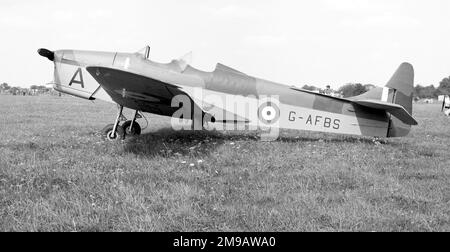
(135, 130)
(113, 136)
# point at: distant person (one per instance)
(328, 90)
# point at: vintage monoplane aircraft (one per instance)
(133, 81)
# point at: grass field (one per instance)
(57, 174)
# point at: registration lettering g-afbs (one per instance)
(315, 120)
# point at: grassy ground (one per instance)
(56, 174)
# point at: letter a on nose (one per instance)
(77, 81)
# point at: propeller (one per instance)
(47, 54)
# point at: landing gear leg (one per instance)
(115, 132)
(133, 128)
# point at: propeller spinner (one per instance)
(47, 54)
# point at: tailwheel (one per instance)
(132, 128)
(109, 133)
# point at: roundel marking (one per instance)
(269, 113)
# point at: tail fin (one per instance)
(399, 90)
(402, 84)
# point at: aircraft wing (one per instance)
(137, 91)
(392, 108)
(148, 95)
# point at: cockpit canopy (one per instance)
(182, 63)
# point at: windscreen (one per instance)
(145, 52)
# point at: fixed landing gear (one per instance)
(112, 135)
(117, 132)
(133, 128)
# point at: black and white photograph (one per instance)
(225, 123)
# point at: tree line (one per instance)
(432, 92)
(34, 89)
(348, 90)
(420, 92)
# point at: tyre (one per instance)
(117, 136)
(135, 130)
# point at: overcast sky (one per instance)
(316, 42)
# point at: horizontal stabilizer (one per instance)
(394, 109)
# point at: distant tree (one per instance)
(428, 92)
(438, 92)
(369, 87)
(14, 90)
(418, 91)
(352, 89)
(444, 86)
(34, 87)
(310, 88)
(432, 92)
(5, 86)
